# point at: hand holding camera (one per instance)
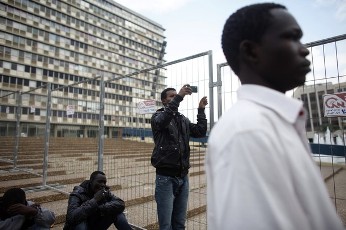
(187, 90)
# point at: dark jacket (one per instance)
(172, 131)
(81, 205)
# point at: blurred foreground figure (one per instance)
(91, 206)
(259, 168)
(18, 213)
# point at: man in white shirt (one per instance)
(260, 172)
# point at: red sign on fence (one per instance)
(334, 105)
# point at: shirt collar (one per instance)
(286, 107)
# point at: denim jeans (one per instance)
(36, 227)
(103, 223)
(171, 195)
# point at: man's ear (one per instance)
(248, 51)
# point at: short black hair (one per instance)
(247, 23)
(164, 93)
(13, 196)
(94, 174)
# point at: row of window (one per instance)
(94, 30)
(68, 66)
(61, 75)
(80, 105)
(109, 25)
(112, 8)
(62, 53)
(15, 40)
(60, 113)
(122, 21)
(34, 84)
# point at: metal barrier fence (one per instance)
(132, 171)
(84, 126)
(325, 134)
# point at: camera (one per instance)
(194, 89)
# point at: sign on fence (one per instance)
(334, 105)
(148, 106)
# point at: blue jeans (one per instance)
(103, 223)
(171, 195)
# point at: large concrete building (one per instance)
(67, 41)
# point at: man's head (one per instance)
(261, 43)
(167, 95)
(98, 181)
(14, 196)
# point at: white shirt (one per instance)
(260, 174)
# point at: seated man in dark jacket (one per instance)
(92, 206)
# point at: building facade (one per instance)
(64, 42)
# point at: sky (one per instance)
(195, 26)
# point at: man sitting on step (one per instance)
(91, 205)
(17, 213)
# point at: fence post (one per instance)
(18, 115)
(47, 133)
(101, 125)
(211, 88)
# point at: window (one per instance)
(13, 66)
(39, 71)
(32, 84)
(27, 69)
(6, 79)
(43, 112)
(6, 65)
(20, 68)
(25, 110)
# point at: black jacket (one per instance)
(81, 205)
(171, 157)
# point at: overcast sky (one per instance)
(195, 26)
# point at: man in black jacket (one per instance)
(171, 156)
(91, 205)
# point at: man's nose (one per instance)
(304, 51)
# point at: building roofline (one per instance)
(135, 13)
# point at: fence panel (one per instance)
(74, 128)
(127, 153)
(21, 156)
